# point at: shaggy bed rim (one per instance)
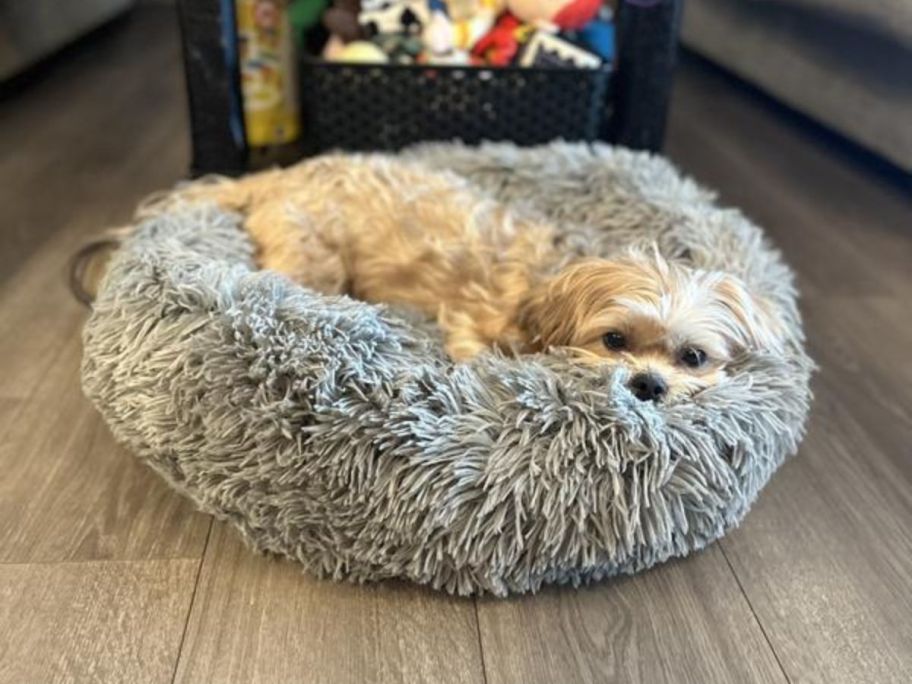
(338, 434)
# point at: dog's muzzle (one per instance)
(648, 386)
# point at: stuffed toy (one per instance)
(341, 20)
(555, 15)
(548, 50)
(378, 17)
(438, 34)
(472, 19)
(598, 37)
(499, 46)
(361, 52)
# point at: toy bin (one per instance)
(387, 107)
(361, 107)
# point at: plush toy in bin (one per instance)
(361, 52)
(547, 50)
(498, 47)
(554, 15)
(341, 20)
(568, 33)
(385, 17)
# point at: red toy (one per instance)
(498, 46)
(565, 15)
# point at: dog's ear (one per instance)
(561, 310)
(536, 319)
(752, 320)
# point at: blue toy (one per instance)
(598, 36)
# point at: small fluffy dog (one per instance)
(385, 231)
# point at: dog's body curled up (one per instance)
(386, 231)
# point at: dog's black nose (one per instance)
(648, 386)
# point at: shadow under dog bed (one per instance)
(338, 434)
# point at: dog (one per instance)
(385, 231)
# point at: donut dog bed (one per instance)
(337, 433)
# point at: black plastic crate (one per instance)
(387, 107)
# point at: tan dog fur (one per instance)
(385, 231)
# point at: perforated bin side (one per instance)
(370, 107)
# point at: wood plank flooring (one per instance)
(106, 575)
(260, 620)
(103, 621)
(825, 558)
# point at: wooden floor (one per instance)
(106, 575)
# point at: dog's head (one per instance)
(673, 327)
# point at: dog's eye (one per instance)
(693, 357)
(614, 340)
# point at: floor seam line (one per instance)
(196, 582)
(756, 617)
(481, 652)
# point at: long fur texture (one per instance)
(338, 433)
(387, 231)
(390, 232)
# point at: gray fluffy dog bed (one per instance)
(337, 433)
